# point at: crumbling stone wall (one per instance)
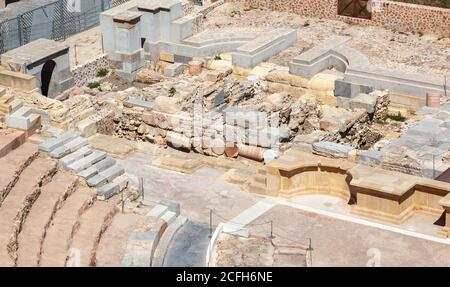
(201, 15)
(392, 15)
(87, 71)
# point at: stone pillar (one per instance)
(128, 55)
(158, 17)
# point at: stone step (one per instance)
(257, 187)
(262, 171)
(157, 211)
(64, 224)
(166, 239)
(106, 176)
(110, 189)
(113, 243)
(54, 143)
(142, 242)
(40, 217)
(69, 147)
(87, 161)
(96, 168)
(169, 216)
(11, 141)
(14, 208)
(13, 164)
(75, 156)
(93, 223)
(260, 179)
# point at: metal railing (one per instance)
(57, 21)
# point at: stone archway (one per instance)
(46, 76)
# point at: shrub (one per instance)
(102, 72)
(398, 117)
(172, 92)
(93, 85)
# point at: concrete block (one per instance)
(106, 176)
(110, 189)
(169, 217)
(157, 211)
(97, 167)
(263, 47)
(69, 147)
(171, 205)
(343, 88)
(75, 156)
(86, 162)
(174, 70)
(23, 119)
(51, 144)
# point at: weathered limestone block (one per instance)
(220, 65)
(273, 87)
(284, 77)
(174, 70)
(364, 101)
(331, 149)
(166, 105)
(147, 76)
(336, 119)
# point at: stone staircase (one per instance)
(257, 182)
(46, 215)
(96, 167)
(148, 244)
(17, 204)
(40, 217)
(49, 218)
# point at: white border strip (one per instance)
(212, 242)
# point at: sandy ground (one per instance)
(385, 48)
(84, 46)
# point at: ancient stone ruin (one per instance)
(177, 116)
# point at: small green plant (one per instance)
(102, 72)
(217, 57)
(93, 85)
(172, 92)
(396, 117)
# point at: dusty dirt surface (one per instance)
(384, 48)
(342, 243)
(84, 46)
(243, 252)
